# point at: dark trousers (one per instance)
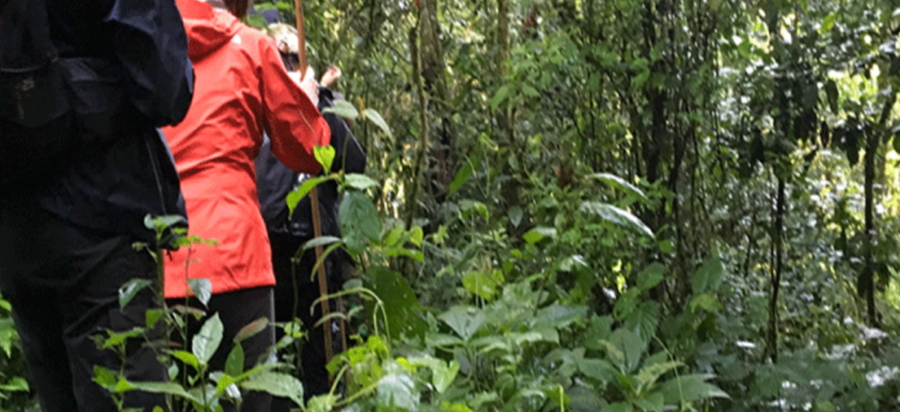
(63, 285)
(312, 363)
(236, 310)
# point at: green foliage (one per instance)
(575, 205)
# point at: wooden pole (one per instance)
(301, 38)
(314, 198)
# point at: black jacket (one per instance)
(108, 189)
(274, 180)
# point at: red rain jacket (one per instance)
(241, 89)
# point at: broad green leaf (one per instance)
(442, 374)
(359, 181)
(499, 97)
(115, 339)
(616, 216)
(322, 403)
(186, 357)
(325, 156)
(690, 388)
(621, 184)
(537, 234)
(583, 399)
(226, 384)
(650, 276)
(185, 311)
(597, 369)
(630, 348)
(515, 215)
(320, 241)
(393, 237)
(397, 390)
(277, 384)
(416, 235)
(464, 321)
(708, 277)
(666, 247)
(234, 364)
(299, 193)
(169, 388)
(533, 336)
(828, 23)
(412, 254)
(343, 109)
(443, 379)
(104, 377)
(151, 316)
(626, 304)
(558, 396)
(572, 263)
(131, 288)
(454, 407)
(358, 215)
(560, 316)
(469, 206)
(464, 173)
(705, 302)
(376, 118)
(651, 403)
(644, 318)
(160, 223)
(599, 328)
(824, 406)
(442, 339)
(618, 407)
(400, 303)
(8, 336)
(251, 329)
(649, 374)
(483, 284)
(205, 343)
(201, 288)
(640, 79)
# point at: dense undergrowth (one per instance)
(613, 205)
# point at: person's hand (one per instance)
(308, 84)
(330, 77)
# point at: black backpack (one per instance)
(52, 109)
(36, 119)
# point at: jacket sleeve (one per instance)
(151, 44)
(292, 122)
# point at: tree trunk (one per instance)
(777, 242)
(435, 78)
(866, 280)
(412, 202)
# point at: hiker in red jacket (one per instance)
(242, 89)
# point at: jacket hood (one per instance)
(207, 29)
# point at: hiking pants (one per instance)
(237, 309)
(63, 287)
(313, 373)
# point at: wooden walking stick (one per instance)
(317, 223)
(314, 198)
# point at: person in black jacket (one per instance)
(288, 234)
(295, 287)
(67, 239)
